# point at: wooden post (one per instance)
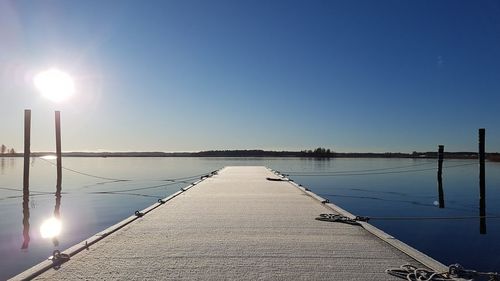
(482, 182)
(440, 176)
(26, 178)
(27, 152)
(57, 214)
(58, 150)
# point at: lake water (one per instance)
(92, 199)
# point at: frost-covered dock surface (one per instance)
(237, 225)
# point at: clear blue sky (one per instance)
(197, 75)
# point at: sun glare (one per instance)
(50, 228)
(49, 157)
(54, 84)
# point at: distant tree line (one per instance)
(6, 151)
(319, 152)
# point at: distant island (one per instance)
(316, 153)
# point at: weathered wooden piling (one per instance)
(482, 182)
(57, 206)
(26, 178)
(58, 149)
(27, 152)
(440, 175)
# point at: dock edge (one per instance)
(46, 265)
(394, 242)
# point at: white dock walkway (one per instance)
(235, 226)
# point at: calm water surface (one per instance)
(378, 188)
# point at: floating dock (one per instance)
(243, 223)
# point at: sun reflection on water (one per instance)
(49, 157)
(51, 228)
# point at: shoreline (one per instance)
(266, 154)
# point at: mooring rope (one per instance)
(455, 272)
(190, 177)
(84, 174)
(180, 179)
(337, 174)
(58, 258)
(276, 179)
(17, 189)
(360, 171)
(121, 192)
(344, 219)
(147, 187)
(341, 219)
(434, 218)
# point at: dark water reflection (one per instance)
(57, 212)
(93, 204)
(2, 165)
(26, 221)
(26, 214)
(440, 176)
(451, 240)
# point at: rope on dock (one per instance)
(455, 272)
(344, 219)
(276, 179)
(58, 258)
(340, 218)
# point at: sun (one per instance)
(54, 84)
